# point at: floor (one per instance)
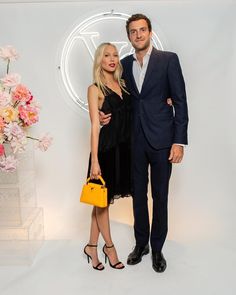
(60, 268)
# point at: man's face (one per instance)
(139, 35)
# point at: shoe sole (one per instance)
(156, 270)
(145, 252)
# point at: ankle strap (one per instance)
(109, 246)
(89, 245)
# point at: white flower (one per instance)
(5, 98)
(11, 80)
(8, 53)
(12, 129)
(18, 145)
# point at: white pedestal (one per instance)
(20, 244)
(21, 222)
(14, 196)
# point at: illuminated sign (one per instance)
(79, 47)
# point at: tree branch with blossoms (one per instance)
(18, 111)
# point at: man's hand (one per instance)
(104, 119)
(176, 153)
(169, 102)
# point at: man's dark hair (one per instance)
(136, 17)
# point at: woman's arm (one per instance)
(95, 129)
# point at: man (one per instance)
(159, 132)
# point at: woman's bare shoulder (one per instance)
(93, 88)
(95, 91)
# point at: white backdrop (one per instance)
(202, 191)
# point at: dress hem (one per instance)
(118, 196)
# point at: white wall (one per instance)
(202, 189)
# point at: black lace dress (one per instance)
(114, 154)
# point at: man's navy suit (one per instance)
(155, 127)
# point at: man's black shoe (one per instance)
(158, 262)
(136, 256)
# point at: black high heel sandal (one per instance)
(107, 257)
(89, 257)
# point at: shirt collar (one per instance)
(148, 53)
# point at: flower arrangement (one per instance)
(18, 111)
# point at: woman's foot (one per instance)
(110, 253)
(91, 252)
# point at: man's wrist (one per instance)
(180, 144)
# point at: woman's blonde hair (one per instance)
(98, 77)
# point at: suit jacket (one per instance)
(163, 125)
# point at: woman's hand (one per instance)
(95, 170)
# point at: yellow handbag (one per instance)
(94, 194)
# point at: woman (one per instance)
(110, 146)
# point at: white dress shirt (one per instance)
(139, 71)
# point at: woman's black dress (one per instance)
(114, 153)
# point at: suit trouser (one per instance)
(144, 155)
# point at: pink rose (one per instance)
(2, 150)
(44, 142)
(8, 53)
(21, 93)
(11, 80)
(28, 114)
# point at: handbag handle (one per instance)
(99, 177)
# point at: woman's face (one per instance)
(110, 59)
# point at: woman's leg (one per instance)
(94, 229)
(93, 240)
(102, 217)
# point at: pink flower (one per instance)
(5, 98)
(28, 114)
(21, 93)
(44, 142)
(2, 150)
(8, 53)
(8, 164)
(11, 80)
